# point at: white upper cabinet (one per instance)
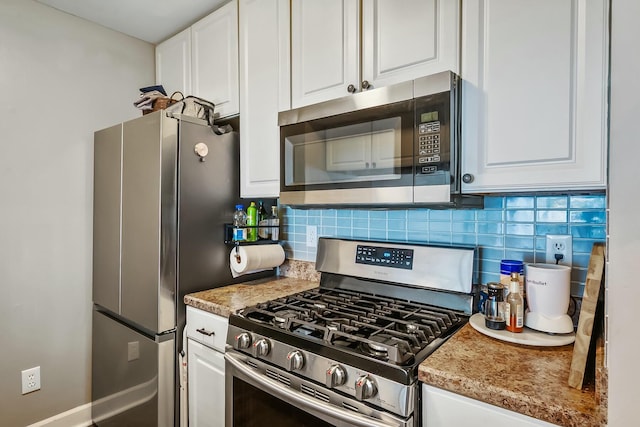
(325, 50)
(264, 90)
(534, 94)
(410, 39)
(173, 63)
(203, 60)
(332, 55)
(214, 47)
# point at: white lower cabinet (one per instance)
(441, 408)
(206, 385)
(206, 336)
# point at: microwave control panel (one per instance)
(429, 148)
(431, 139)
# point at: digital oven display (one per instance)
(385, 257)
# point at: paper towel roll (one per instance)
(251, 259)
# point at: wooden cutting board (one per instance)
(587, 316)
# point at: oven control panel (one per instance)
(385, 257)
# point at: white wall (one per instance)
(61, 78)
(624, 204)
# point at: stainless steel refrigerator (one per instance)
(164, 187)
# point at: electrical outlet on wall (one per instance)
(559, 249)
(312, 236)
(30, 380)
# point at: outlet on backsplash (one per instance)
(312, 236)
(559, 249)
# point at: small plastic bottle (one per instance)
(252, 221)
(274, 221)
(514, 307)
(263, 218)
(239, 222)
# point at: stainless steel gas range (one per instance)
(347, 353)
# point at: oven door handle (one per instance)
(304, 402)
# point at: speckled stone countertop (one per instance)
(295, 276)
(477, 366)
(229, 299)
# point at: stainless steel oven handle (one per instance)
(302, 401)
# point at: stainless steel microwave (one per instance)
(393, 146)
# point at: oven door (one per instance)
(257, 393)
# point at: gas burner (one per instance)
(319, 306)
(374, 350)
(386, 347)
(280, 318)
(331, 319)
(377, 342)
(411, 328)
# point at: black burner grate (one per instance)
(378, 327)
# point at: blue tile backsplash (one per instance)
(509, 227)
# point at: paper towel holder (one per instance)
(228, 239)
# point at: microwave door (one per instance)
(364, 157)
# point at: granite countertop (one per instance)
(226, 300)
(528, 380)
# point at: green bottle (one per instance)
(252, 221)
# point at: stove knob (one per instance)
(295, 360)
(336, 376)
(365, 387)
(242, 341)
(261, 348)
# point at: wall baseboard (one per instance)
(77, 417)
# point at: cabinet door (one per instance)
(441, 408)
(534, 94)
(264, 90)
(349, 153)
(400, 43)
(214, 52)
(206, 386)
(325, 50)
(173, 63)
